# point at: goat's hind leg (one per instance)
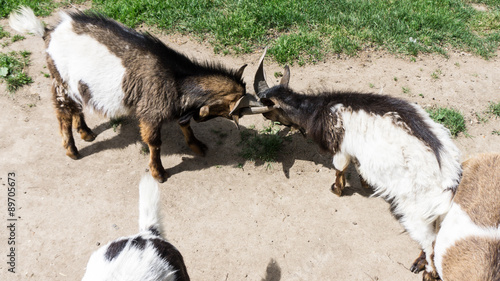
(65, 109)
(81, 127)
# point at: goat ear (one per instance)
(239, 73)
(204, 111)
(286, 77)
(267, 102)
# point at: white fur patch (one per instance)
(82, 58)
(132, 264)
(456, 226)
(402, 168)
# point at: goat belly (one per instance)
(85, 63)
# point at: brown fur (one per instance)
(159, 84)
(479, 191)
(473, 259)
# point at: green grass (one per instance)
(494, 108)
(12, 66)
(263, 146)
(304, 31)
(116, 122)
(3, 33)
(450, 118)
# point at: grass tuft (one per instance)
(264, 146)
(12, 67)
(494, 108)
(450, 118)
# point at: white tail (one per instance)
(149, 197)
(23, 20)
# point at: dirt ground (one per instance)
(232, 219)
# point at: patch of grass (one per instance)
(406, 90)
(436, 74)
(12, 67)
(18, 37)
(450, 118)
(305, 30)
(116, 122)
(495, 132)
(264, 146)
(494, 108)
(40, 7)
(3, 33)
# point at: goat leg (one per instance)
(81, 127)
(339, 184)
(151, 135)
(419, 264)
(194, 144)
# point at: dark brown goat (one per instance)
(99, 64)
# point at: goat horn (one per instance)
(286, 77)
(256, 110)
(245, 101)
(259, 82)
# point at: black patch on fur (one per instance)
(154, 231)
(138, 242)
(311, 110)
(171, 255)
(115, 248)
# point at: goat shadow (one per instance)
(273, 271)
(224, 142)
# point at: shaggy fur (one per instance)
(99, 64)
(406, 157)
(468, 243)
(146, 256)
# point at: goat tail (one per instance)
(23, 20)
(149, 197)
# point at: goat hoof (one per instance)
(88, 136)
(336, 190)
(419, 264)
(73, 154)
(160, 177)
(430, 276)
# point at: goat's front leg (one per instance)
(340, 163)
(151, 135)
(194, 144)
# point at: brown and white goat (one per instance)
(407, 158)
(146, 256)
(99, 64)
(467, 246)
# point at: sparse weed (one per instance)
(18, 37)
(450, 118)
(494, 108)
(116, 122)
(12, 66)
(436, 74)
(263, 146)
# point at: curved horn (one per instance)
(259, 82)
(245, 101)
(286, 77)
